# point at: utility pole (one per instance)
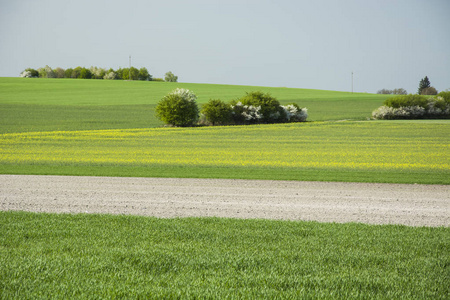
(129, 70)
(352, 82)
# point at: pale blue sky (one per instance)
(303, 44)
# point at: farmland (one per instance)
(104, 256)
(66, 104)
(108, 128)
(400, 152)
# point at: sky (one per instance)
(278, 43)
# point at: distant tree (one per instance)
(144, 75)
(97, 73)
(50, 73)
(125, 72)
(46, 72)
(429, 91)
(399, 91)
(134, 73)
(76, 72)
(384, 91)
(170, 77)
(85, 74)
(68, 73)
(110, 75)
(30, 73)
(59, 72)
(120, 72)
(424, 83)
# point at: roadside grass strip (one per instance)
(103, 256)
(327, 146)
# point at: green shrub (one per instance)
(414, 107)
(217, 112)
(445, 96)
(178, 108)
(406, 100)
(270, 109)
(158, 79)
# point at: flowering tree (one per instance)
(178, 108)
(294, 113)
(29, 73)
(414, 107)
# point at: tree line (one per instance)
(425, 88)
(96, 73)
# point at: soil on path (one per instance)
(372, 203)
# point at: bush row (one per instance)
(179, 108)
(96, 73)
(415, 107)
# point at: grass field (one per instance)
(66, 104)
(102, 256)
(95, 127)
(99, 127)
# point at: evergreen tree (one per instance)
(424, 83)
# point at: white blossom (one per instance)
(110, 75)
(185, 94)
(295, 114)
(26, 74)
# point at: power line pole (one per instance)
(129, 70)
(352, 82)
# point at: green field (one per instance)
(376, 151)
(65, 104)
(108, 128)
(103, 256)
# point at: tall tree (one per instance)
(424, 83)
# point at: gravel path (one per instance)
(413, 205)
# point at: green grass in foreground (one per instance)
(104, 256)
(66, 104)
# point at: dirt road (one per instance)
(413, 205)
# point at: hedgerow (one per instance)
(253, 108)
(414, 107)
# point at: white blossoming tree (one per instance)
(414, 107)
(178, 108)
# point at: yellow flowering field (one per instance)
(386, 146)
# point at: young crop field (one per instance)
(89, 127)
(108, 128)
(377, 151)
(28, 104)
(103, 256)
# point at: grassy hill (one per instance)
(67, 104)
